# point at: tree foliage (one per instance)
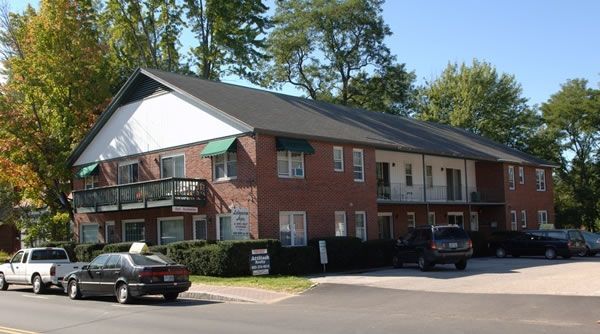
(335, 51)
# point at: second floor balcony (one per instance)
(140, 195)
(418, 193)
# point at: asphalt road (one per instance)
(329, 308)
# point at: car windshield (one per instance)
(150, 259)
(449, 233)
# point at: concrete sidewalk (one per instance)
(234, 294)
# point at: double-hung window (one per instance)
(91, 182)
(292, 228)
(128, 173)
(513, 220)
(173, 166)
(521, 175)
(511, 177)
(338, 158)
(358, 162)
(542, 217)
(540, 180)
(340, 224)
(290, 164)
(89, 233)
(360, 221)
(134, 231)
(225, 166)
(408, 174)
(524, 218)
(411, 219)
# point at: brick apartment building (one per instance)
(176, 157)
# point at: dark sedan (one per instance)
(127, 276)
(592, 243)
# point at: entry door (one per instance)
(109, 234)
(385, 226)
(453, 183)
(474, 221)
(455, 219)
(383, 180)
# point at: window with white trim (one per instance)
(224, 228)
(338, 158)
(511, 177)
(128, 173)
(290, 164)
(340, 224)
(200, 228)
(91, 182)
(170, 230)
(134, 231)
(542, 217)
(89, 233)
(173, 166)
(524, 218)
(292, 228)
(540, 180)
(225, 166)
(513, 220)
(521, 175)
(408, 174)
(358, 163)
(431, 218)
(360, 222)
(411, 219)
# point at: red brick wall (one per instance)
(8, 239)
(320, 193)
(490, 180)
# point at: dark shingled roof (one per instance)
(276, 113)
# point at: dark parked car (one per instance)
(592, 243)
(549, 243)
(128, 275)
(430, 245)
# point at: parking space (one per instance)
(576, 277)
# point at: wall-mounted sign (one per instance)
(323, 251)
(185, 209)
(240, 223)
(260, 263)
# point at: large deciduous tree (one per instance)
(335, 51)
(479, 99)
(57, 83)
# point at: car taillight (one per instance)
(432, 245)
(470, 243)
(52, 271)
(570, 244)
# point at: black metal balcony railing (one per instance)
(163, 192)
(400, 192)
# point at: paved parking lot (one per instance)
(575, 277)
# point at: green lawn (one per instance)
(289, 284)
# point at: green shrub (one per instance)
(343, 253)
(69, 247)
(480, 244)
(87, 252)
(117, 247)
(4, 256)
(176, 250)
(378, 253)
(206, 261)
(158, 249)
(297, 261)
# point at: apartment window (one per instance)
(360, 220)
(542, 217)
(513, 220)
(521, 175)
(540, 180)
(340, 224)
(170, 230)
(224, 228)
(338, 159)
(134, 231)
(524, 218)
(292, 228)
(429, 176)
(89, 233)
(128, 173)
(511, 177)
(200, 228)
(431, 218)
(290, 164)
(172, 166)
(91, 182)
(408, 174)
(358, 161)
(225, 166)
(411, 219)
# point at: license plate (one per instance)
(169, 278)
(452, 244)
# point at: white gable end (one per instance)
(160, 122)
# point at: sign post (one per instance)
(323, 253)
(260, 263)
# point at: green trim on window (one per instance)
(294, 145)
(88, 170)
(217, 147)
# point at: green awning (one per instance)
(87, 171)
(294, 145)
(217, 147)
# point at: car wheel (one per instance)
(500, 252)
(585, 252)
(73, 289)
(171, 297)
(396, 262)
(122, 292)
(461, 265)
(38, 285)
(550, 253)
(423, 264)
(3, 284)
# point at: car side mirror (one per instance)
(86, 267)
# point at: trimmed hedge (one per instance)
(342, 252)
(158, 249)
(176, 250)
(87, 252)
(69, 247)
(117, 247)
(297, 261)
(378, 253)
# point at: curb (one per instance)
(214, 297)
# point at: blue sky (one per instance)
(542, 42)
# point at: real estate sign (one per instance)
(260, 263)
